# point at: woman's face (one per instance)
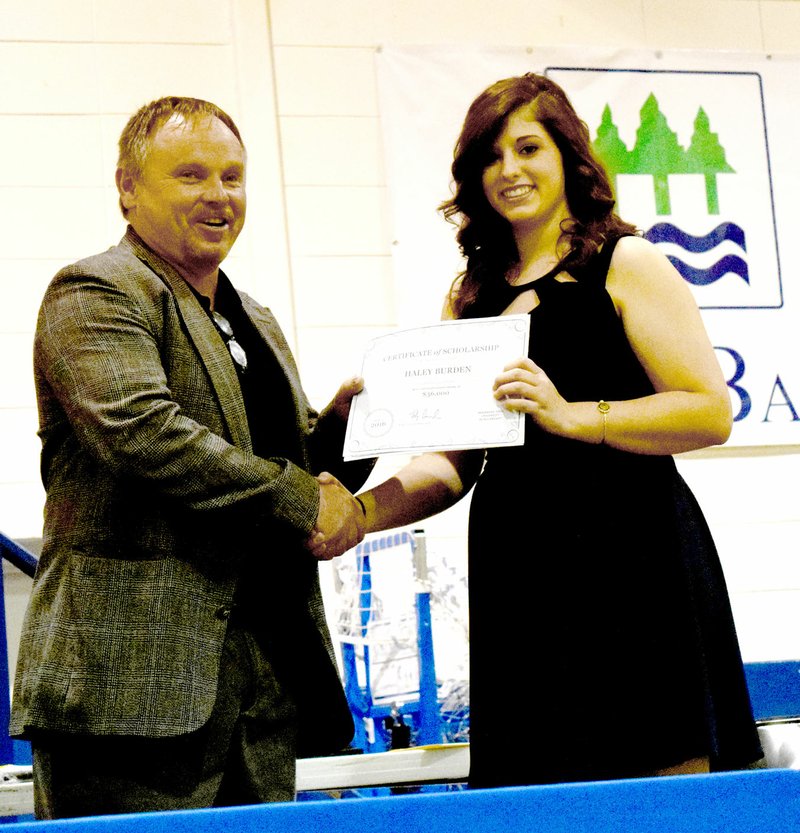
(525, 181)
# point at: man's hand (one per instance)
(340, 404)
(340, 522)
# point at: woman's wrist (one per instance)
(589, 422)
(367, 504)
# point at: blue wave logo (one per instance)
(669, 233)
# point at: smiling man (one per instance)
(186, 198)
(175, 652)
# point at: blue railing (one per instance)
(17, 555)
(11, 751)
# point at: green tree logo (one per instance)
(610, 149)
(706, 156)
(658, 153)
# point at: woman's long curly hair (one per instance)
(486, 239)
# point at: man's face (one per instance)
(189, 203)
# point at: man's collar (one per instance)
(226, 293)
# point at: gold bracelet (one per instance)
(604, 408)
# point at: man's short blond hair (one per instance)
(136, 138)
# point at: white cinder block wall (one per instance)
(298, 76)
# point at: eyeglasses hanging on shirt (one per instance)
(237, 352)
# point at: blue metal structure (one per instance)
(17, 555)
(11, 751)
(419, 708)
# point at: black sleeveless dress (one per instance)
(602, 643)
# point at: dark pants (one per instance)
(244, 754)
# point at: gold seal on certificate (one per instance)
(430, 389)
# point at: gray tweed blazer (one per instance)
(155, 505)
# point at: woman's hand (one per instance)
(524, 387)
(690, 407)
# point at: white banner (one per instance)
(702, 148)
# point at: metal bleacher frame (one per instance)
(417, 711)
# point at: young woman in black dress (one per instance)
(601, 638)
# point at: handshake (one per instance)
(341, 522)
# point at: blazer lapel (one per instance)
(206, 340)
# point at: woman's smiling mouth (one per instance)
(516, 192)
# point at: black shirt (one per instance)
(265, 389)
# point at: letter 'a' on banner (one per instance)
(699, 147)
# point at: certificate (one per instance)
(430, 389)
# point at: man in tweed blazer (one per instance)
(175, 652)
